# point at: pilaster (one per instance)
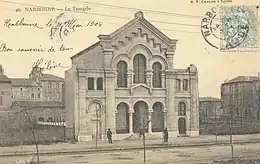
(150, 111)
(163, 79)
(165, 117)
(169, 59)
(172, 121)
(130, 114)
(130, 77)
(149, 78)
(110, 99)
(81, 98)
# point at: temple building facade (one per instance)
(127, 82)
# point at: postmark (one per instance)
(210, 27)
(231, 28)
(239, 28)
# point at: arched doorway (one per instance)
(96, 120)
(122, 119)
(140, 117)
(182, 125)
(157, 117)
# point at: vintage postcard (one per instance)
(137, 81)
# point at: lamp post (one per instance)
(230, 134)
(97, 121)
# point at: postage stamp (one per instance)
(232, 28)
(239, 28)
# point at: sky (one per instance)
(184, 24)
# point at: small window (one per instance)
(90, 83)
(178, 84)
(41, 119)
(39, 95)
(32, 95)
(57, 86)
(100, 83)
(237, 112)
(49, 85)
(246, 113)
(21, 89)
(185, 84)
(1, 100)
(50, 119)
(182, 109)
(58, 95)
(38, 89)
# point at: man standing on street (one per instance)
(109, 136)
(165, 135)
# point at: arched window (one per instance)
(32, 95)
(139, 68)
(121, 74)
(157, 78)
(182, 109)
(39, 95)
(157, 117)
(122, 119)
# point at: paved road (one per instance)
(126, 144)
(195, 155)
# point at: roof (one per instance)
(38, 104)
(138, 18)
(49, 77)
(85, 50)
(23, 82)
(5, 79)
(30, 82)
(243, 79)
(209, 99)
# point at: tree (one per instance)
(28, 123)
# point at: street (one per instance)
(194, 155)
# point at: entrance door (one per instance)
(140, 117)
(182, 125)
(96, 129)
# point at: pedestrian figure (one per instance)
(109, 136)
(165, 135)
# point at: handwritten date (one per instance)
(60, 26)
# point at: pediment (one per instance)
(140, 89)
(138, 27)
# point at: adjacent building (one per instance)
(41, 95)
(127, 82)
(239, 97)
(240, 100)
(210, 107)
(210, 113)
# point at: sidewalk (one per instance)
(63, 148)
